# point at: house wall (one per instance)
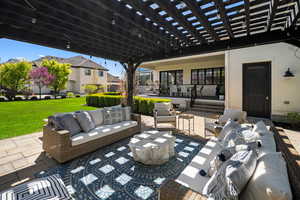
(187, 68)
(94, 78)
(281, 56)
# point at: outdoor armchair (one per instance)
(164, 113)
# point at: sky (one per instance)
(15, 49)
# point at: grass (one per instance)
(24, 117)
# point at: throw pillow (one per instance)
(85, 121)
(70, 123)
(230, 125)
(235, 115)
(113, 116)
(126, 113)
(260, 127)
(233, 138)
(232, 177)
(269, 180)
(55, 121)
(97, 116)
(50, 187)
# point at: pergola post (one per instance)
(130, 69)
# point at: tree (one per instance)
(90, 89)
(41, 77)
(60, 71)
(14, 77)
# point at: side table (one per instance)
(188, 117)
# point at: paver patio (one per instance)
(21, 157)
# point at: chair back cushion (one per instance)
(269, 180)
(97, 116)
(113, 116)
(163, 109)
(229, 126)
(126, 113)
(85, 121)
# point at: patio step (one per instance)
(208, 107)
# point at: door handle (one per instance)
(267, 98)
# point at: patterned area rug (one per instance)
(111, 172)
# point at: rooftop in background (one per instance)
(76, 61)
(112, 78)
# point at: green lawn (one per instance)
(24, 117)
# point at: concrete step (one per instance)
(208, 106)
(210, 110)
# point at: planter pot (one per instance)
(221, 97)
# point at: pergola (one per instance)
(134, 31)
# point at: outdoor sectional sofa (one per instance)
(276, 175)
(63, 145)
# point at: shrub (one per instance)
(112, 93)
(293, 117)
(70, 94)
(90, 89)
(63, 96)
(33, 98)
(77, 95)
(141, 105)
(47, 97)
(2, 99)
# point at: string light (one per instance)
(68, 45)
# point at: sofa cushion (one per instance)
(232, 176)
(163, 109)
(70, 123)
(229, 126)
(85, 121)
(97, 116)
(55, 121)
(268, 144)
(236, 115)
(102, 131)
(113, 114)
(126, 113)
(269, 180)
(166, 118)
(260, 127)
(50, 187)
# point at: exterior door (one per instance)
(257, 89)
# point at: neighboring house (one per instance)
(84, 72)
(144, 80)
(253, 78)
(113, 83)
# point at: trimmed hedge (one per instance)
(112, 93)
(141, 105)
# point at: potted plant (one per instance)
(220, 92)
(294, 119)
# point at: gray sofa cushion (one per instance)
(97, 116)
(85, 121)
(113, 114)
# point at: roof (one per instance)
(112, 78)
(76, 61)
(136, 30)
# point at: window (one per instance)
(209, 76)
(87, 72)
(100, 73)
(174, 77)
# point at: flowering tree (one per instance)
(41, 77)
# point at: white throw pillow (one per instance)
(269, 180)
(97, 116)
(249, 135)
(230, 125)
(268, 144)
(236, 115)
(260, 127)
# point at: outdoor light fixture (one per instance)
(68, 45)
(33, 20)
(288, 74)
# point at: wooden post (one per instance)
(130, 68)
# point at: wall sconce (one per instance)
(288, 74)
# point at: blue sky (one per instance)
(15, 49)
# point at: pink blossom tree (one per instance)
(41, 77)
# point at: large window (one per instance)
(87, 72)
(174, 77)
(100, 73)
(209, 76)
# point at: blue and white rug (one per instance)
(111, 172)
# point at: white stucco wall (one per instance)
(281, 56)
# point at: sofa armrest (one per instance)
(53, 139)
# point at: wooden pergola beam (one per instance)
(196, 10)
(247, 15)
(170, 8)
(272, 13)
(221, 7)
(151, 14)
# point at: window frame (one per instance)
(221, 70)
(100, 72)
(87, 72)
(175, 77)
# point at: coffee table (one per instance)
(153, 147)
